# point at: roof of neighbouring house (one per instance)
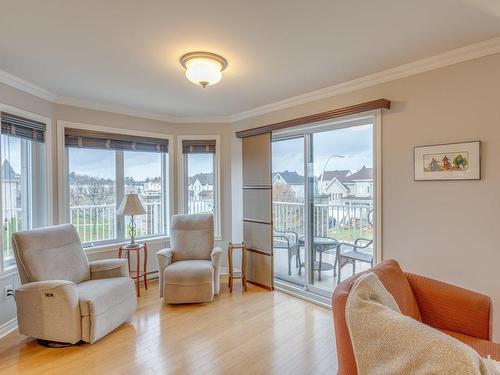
(8, 173)
(291, 178)
(363, 174)
(204, 178)
(340, 175)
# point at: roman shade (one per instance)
(20, 127)
(257, 209)
(204, 146)
(79, 138)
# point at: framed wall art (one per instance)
(452, 161)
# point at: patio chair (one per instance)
(283, 239)
(361, 251)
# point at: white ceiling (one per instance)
(126, 53)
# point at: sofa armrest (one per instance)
(49, 310)
(103, 269)
(216, 260)
(452, 308)
(164, 258)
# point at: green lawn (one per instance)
(350, 235)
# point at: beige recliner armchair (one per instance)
(190, 269)
(63, 297)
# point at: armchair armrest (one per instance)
(452, 308)
(102, 269)
(49, 310)
(216, 260)
(164, 258)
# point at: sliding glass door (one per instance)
(288, 183)
(323, 203)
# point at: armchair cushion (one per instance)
(52, 253)
(189, 272)
(101, 269)
(104, 305)
(189, 281)
(97, 296)
(192, 237)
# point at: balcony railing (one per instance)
(342, 222)
(98, 222)
(13, 222)
(201, 207)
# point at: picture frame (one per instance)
(448, 162)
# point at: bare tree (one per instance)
(87, 190)
(283, 193)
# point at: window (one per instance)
(143, 175)
(200, 177)
(24, 197)
(102, 168)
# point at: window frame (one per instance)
(63, 165)
(183, 181)
(48, 207)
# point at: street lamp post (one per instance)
(324, 168)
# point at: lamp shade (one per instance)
(131, 205)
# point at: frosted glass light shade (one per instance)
(203, 68)
(203, 72)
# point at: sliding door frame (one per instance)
(309, 291)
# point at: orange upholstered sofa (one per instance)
(458, 312)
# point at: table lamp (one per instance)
(131, 206)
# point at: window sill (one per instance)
(8, 272)
(115, 245)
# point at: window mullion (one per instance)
(120, 191)
(165, 204)
(26, 183)
(185, 182)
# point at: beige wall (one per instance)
(447, 230)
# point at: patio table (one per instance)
(321, 245)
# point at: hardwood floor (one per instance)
(256, 332)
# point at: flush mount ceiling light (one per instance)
(203, 68)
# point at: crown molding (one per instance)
(99, 106)
(25, 86)
(470, 52)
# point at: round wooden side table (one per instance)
(137, 274)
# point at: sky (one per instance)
(11, 150)
(139, 165)
(101, 163)
(354, 144)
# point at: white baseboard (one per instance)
(8, 327)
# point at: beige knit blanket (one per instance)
(387, 342)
